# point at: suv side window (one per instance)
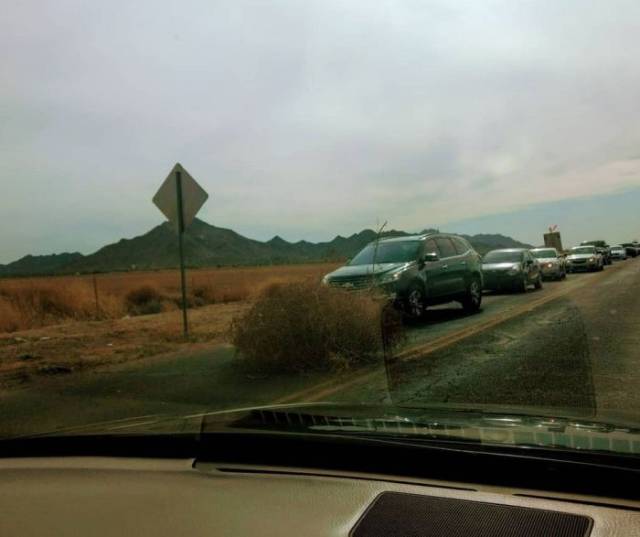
(461, 245)
(445, 246)
(430, 247)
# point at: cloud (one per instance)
(308, 119)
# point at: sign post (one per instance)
(180, 198)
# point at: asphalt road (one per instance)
(573, 346)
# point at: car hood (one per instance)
(499, 266)
(366, 270)
(466, 424)
(548, 260)
(482, 424)
(580, 256)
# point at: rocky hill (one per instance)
(207, 245)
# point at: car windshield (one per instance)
(387, 252)
(503, 257)
(212, 206)
(543, 254)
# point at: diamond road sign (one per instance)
(193, 197)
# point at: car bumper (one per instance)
(500, 280)
(584, 267)
(551, 272)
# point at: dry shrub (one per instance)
(144, 300)
(11, 318)
(303, 326)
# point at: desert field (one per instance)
(27, 303)
(59, 325)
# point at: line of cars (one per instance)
(419, 271)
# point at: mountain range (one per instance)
(207, 245)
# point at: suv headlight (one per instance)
(592, 259)
(325, 280)
(390, 277)
(514, 270)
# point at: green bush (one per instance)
(295, 327)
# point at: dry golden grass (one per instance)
(36, 302)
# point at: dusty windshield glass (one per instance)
(213, 206)
(585, 250)
(544, 254)
(387, 252)
(503, 257)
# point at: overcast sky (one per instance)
(308, 119)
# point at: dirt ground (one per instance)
(66, 348)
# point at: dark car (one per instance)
(631, 248)
(416, 271)
(602, 248)
(511, 269)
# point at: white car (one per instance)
(584, 258)
(551, 264)
(618, 252)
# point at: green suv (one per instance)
(416, 271)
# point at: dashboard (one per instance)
(116, 496)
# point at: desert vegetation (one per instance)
(303, 326)
(36, 302)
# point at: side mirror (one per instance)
(430, 257)
(529, 262)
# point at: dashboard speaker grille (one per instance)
(409, 515)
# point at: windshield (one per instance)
(583, 250)
(544, 254)
(192, 194)
(387, 252)
(503, 257)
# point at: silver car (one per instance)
(618, 252)
(584, 258)
(552, 264)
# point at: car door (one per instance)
(450, 271)
(433, 273)
(463, 263)
(532, 267)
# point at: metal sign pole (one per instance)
(183, 281)
(180, 198)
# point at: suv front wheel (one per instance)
(473, 296)
(415, 302)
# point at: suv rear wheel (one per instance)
(473, 296)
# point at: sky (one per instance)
(308, 119)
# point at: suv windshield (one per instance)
(583, 250)
(503, 257)
(543, 254)
(387, 252)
